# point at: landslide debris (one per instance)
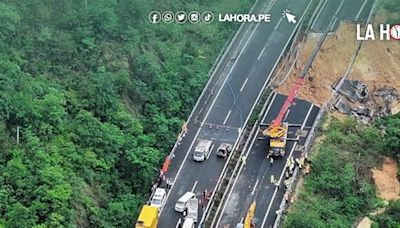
(376, 66)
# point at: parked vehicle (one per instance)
(181, 204)
(202, 150)
(148, 217)
(224, 150)
(188, 223)
(158, 198)
(191, 211)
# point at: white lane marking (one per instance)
(255, 187)
(279, 22)
(269, 107)
(234, 182)
(284, 168)
(308, 114)
(319, 13)
(180, 168)
(259, 55)
(178, 223)
(265, 116)
(333, 24)
(244, 84)
(209, 154)
(259, 95)
(229, 73)
(241, 220)
(361, 9)
(227, 116)
(208, 112)
(241, 167)
(194, 186)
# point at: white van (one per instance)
(181, 204)
(158, 198)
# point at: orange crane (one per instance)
(277, 130)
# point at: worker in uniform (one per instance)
(302, 160)
(244, 159)
(291, 167)
(287, 173)
(287, 181)
(273, 179)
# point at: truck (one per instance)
(191, 211)
(148, 217)
(277, 140)
(202, 150)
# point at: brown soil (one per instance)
(377, 64)
(386, 181)
(365, 223)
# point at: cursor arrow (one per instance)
(291, 18)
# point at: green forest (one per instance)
(92, 97)
(340, 188)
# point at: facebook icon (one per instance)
(154, 17)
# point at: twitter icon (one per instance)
(180, 17)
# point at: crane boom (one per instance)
(288, 102)
(277, 131)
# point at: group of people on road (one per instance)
(290, 165)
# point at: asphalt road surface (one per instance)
(228, 101)
(253, 182)
(352, 10)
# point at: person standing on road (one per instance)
(244, 159)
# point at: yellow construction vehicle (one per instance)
(277, 131)
(277, 136)
(248, 221)
(148, 217)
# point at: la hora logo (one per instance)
(386, 32)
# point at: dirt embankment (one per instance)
(386, 181)
(377, 65)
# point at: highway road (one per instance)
(228, 100)
(352, 10)
(253, 181)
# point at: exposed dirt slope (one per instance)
(386, 181)
(377, 65)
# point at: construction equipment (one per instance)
(277, 131)
(248, 221)
(148, 217)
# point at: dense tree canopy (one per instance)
(97, 95)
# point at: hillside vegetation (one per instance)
(340, 187)
(97, 95)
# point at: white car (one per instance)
(202, 150)
(158, 199)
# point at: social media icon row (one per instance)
(181, 17)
